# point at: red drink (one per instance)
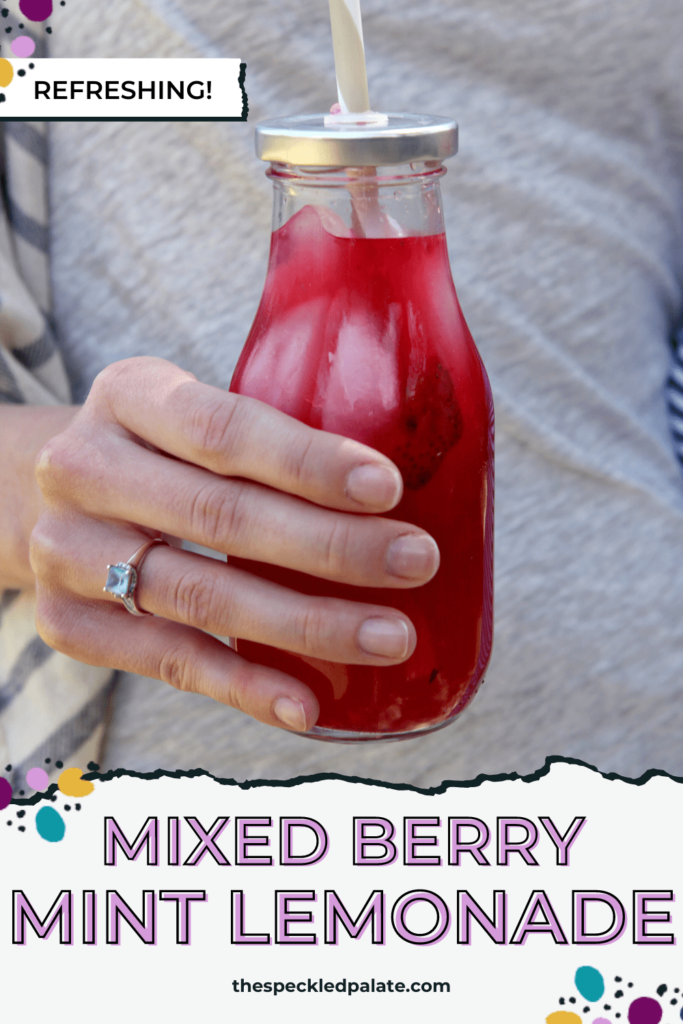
(365, 337)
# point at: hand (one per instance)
(153, 451)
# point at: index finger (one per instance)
(233, 435)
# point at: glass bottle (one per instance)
(359, 332)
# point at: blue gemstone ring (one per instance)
(122, 578)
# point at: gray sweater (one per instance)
(564, 215)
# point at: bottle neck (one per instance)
(362, 202)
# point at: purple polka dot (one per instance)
(5, 794)
(644, 1011)
(37, 779)
(23, 46)
(36, 10)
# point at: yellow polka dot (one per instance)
(71, 784)
(6, 72)
(563, 1017)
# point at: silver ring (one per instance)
(122, 578)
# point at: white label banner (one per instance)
(125, 89)
(514, 900)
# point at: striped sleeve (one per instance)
(52, 709)
(674, 396)
(31, 368)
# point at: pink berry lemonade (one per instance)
(365, 337)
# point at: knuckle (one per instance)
(106, 377)
(215, 425)
(311, 630)
(125, 375)
(67, 464)
(217, 513)
(336, 547)
(55, 464)
(242, 690)
(43, 547)
(53, 623)
(298, 463)
(116, 373)
(236, 695)
(193, 599)
(177, 667)
(109, 380)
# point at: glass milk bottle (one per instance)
(359, 332)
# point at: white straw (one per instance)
(349, 56)
(368, 220)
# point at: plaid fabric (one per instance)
(50, 706)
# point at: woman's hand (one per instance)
(153, 451)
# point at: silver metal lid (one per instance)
(305, 141)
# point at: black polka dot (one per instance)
(48, 30)
(2, 97)
(21, 72)
(21, 814)
(78, 807)
(92, 767)
(31, 66)
(22, 828)
(59, 764)
(48, 760)
(9, 822)
(21, 792)
(67, 807)
(4, 12)
(8, 768)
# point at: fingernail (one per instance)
(388, 638)
(413, 557)
(291, 713)
(374, 485)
